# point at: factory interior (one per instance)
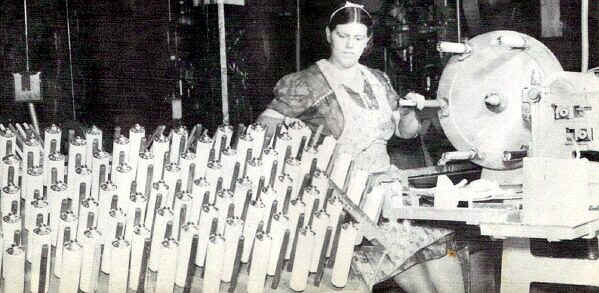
(133, 159)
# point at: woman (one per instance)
(359, 107)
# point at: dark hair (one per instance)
(349, 14)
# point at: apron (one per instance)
(365, 131)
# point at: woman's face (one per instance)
(347, 42)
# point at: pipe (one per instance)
(584, 28)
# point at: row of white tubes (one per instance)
(174, 199)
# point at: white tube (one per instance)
(214, 264)
(136, 133)
(94, 136)
(297, 130)
(254, 216)
(56, 193)
(137, 202)
(242, 187)
(32, 180)
(107, 191)
(123, 177)
(7, 137)
(10, 193)
(258, 132)
(140, 235)
(244, 143)
(100, 162)
(89, 205)
(259, 265)
(269, 156)
(119, 271)
(268, 196)
(296, 208)
(223, 200)
(80, 186)
(144, 161)
(584, 29)
(39, 238)
(277, 230)
(232, 234)
(283, 141)
(199, 189)
(10, 224)
(158, 188)
(10, 162)
(345, 253)
(183, 201)
(203, 147)
(159, 148)
(120, 150)
(302, 260)
(222, 131)
(172, 174)
(163, 216)
(167, 266)
(282, 183)
(114, 217)
(52, 139)
(72, 254)
(293, 169)
(334, 209)
(187, 162)
(308, 156)
(32, 153)
(320, 222)
(209, 212)
(228, 159)
(188, 232)
(254, 170)
(67, 220)
(90, 261)
(456, 48)
(14, 270)
(321, 181)
(178, 137)
(325, 152)
(310, 195)
(55, 161)
(77, 148)
(213, 172)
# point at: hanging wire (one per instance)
(26, 38)
(71, 62)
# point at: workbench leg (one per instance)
(515, 252)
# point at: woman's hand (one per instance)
(416, 98)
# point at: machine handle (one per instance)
(427, 103)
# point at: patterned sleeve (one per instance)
(292, 95)
(392, 95)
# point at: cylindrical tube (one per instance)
(120, 152)
(209, 212)
(121, 254)
(115, 216)
(302, 260)
(232, 233)
(167, 266)
(178, 137)
(214, 263)
(107, 192)
(293, 169)
(188, 232)
(225, 131)
(137, 208)
(242, 187)
(213, 172)
(10, 194)
(320, 222)
(456, 48)
(309, 197)
(172, 174)
(10, 166)
(77, 148)
(90, 261)
(37, 208)
(160, 146)
(321, 181)
(136, 133)
(334, 209)
(159, 190)
(32, 153)
(14, 269)
(258, 132)
(296, 208)
(54, 161)
(89, 205)
(80, 185)
(254, 170)
(100, 170)
(145, 161)
(32, 180)
(269, 157)
(203, 147)
(297, 130)
(56, 194)
(94, 136)
(182, 208)
(163, 216)
(283, 142)
(52, 139)
(123, 177)
(255, 213)
(8, 141)
(308, 157)
(10, 224)
(279, 224)
(344, 255)
(140, 235)
(268, 196)
(67, 221)
(228, 159)
(259, 266)
(188, 169)
(201, 186)
(223, 200)
(39, 238)
(72, 254)
(244, 143)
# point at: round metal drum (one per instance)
(482, 94)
